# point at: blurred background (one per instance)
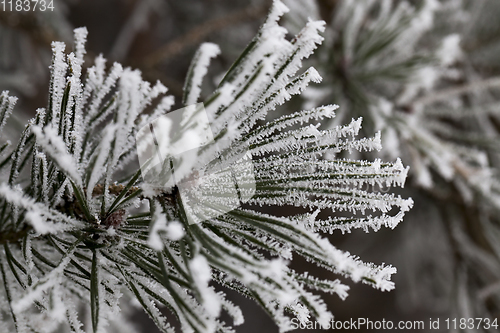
(424, 73)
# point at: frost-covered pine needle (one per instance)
(77, 232)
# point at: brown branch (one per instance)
(445, 94)
(113, 189)
(30, 23)
(200, 32)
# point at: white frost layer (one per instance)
(174, 231)
(54, 145)
(201, 273)
(43, 219)
(199, 69)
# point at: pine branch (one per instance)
(175, 224)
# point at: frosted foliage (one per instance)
(415, 118)
(75, 235)
(408, 68)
